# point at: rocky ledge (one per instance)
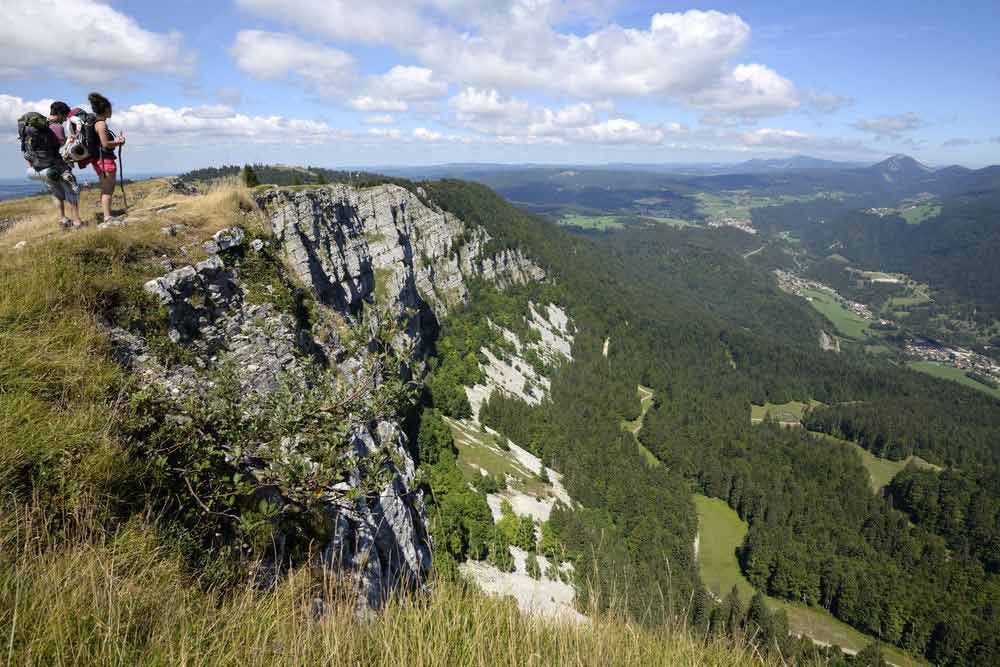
(351, 249)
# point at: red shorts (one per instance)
(104, 166)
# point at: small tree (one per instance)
(532, 567)
(499, 555)
(525, 533)
(543, 476)
(320, 178)
(250, 177)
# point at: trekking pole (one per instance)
(121, 176)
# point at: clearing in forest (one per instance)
(482, 450)
(721, 533)
(880, 470)
(786, 414)
(634, 426)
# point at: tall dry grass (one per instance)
(123, 599)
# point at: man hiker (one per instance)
(41, 139)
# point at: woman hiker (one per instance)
(104, 161)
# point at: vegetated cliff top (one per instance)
(106, 581)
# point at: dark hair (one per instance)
(99, 103)
(59, 109)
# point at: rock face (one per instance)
(352, 249)
(513, 374)
(385, 245)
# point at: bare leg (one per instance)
(74, 213)
(60, 211)
(107, 190)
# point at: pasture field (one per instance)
(721, 532)
(672, 222)
(785, 413)
(596, 222)
(953, 374)
(880, 471)
(847, 323)
(919, 214)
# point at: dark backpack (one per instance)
(39, 145)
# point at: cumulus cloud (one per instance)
(890, 126)
(152, 124)
(86, 41)
(513, 45)
(386, 132)
(368, 103)
(398, 89)
(748, 92)
(11, 108)
(272, 55)
(512, 120)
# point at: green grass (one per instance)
(919, 214)
(880, 470)
(721, 532)
(785, 413)
(740, 203)
(672, 222)
(646, 400)
(846, 322)
(597, 222)
(953, 374)
(479, 450)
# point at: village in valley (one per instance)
(977, 366)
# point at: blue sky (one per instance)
(338, 82)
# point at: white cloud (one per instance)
(272, 55)
(407, 83)
(890, 126)
(381, 119)
(512, 120)
(399, 89)
(423, 134)
(368, 103)
(85, 40)
(12, 108)
(748, 92)
(386, 133)
(513, 45)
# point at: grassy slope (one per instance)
(846, 322)
(634, 426)
(480, 450)
(953, 374)
(721, 532)
(123, 600)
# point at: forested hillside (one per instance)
(710, 336)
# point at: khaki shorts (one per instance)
(60, 188)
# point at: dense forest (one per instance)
(710, 335)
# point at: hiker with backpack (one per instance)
(101, 145)
(41, 139)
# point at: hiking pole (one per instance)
(121, 175)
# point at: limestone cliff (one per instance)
(351, 249)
